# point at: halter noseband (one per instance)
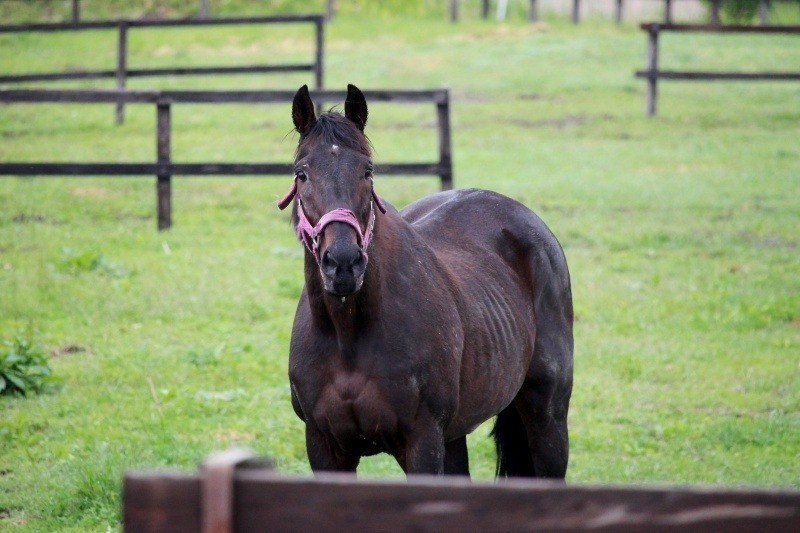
(309, 234)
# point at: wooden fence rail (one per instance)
(75, 8)
(619, 8)
(652, 73)
(164, 167)
(122, 72)
(713, 12)
(233, 492)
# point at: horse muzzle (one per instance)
(342, 265)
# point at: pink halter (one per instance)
(309, 235)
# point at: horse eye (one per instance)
(301, 175)
(368, 174)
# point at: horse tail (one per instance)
(514, 457)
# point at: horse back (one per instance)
(512, 286)
(456, 222)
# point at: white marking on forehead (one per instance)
(335, 149)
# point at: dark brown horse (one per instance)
(414, 327)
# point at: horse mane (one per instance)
(335, 128)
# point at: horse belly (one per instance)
(497, 353)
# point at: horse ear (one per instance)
(355, 107)
(303, 111)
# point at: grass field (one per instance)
(682, 234)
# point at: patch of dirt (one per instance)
(470, 98)
(70, 349)
(736, 269)
(14, 134)
(133, 216)
(411, 125)
(263, 125)
(533, 97)
(795, 322)
(35, 218)
(562, 122)
(767, 241)
(555, 208)
(90, 191)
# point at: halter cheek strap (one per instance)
(309, 234)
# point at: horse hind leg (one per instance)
(548, 439)
(543, 400)
(531, 434)
(511, 443)
(543, 403)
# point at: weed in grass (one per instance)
(24, 366)
(75, 262)
(206, 356)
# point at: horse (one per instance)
(415, 327)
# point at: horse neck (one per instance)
(349, 318)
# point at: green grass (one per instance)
(681, 233)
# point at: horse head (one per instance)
(336, 203)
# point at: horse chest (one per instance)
(353, 405)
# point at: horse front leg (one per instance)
(325, 454)
(424, 451)
(456, 458)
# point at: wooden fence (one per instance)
(652, 74)
(233, 492)
(164, 167)
(122, 71)
(202, 9)
(713, 12)
(619, 8)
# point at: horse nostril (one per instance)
(359, 261)
(328, 262)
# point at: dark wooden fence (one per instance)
(122, 71)
(652, 74)
(714, 16)
(203, 9)
(233, 492)
(619, 8)
(164, 168)
(533, 9)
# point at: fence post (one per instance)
(330, 10)
(122, 54)
(319, 69)
(485, 9)
(668, 11)
(445, 151)
(453, 10)
(652, 70)
(618, 12)
(715, 20)
(76, 11)
(502, 9)
(576, 11)
(163, 154)
(319, 26)
(533, 12)
(218, 471)
(763, 12)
